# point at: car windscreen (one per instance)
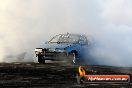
(65, 38)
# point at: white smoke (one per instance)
(25, 24)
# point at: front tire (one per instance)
(41, 59)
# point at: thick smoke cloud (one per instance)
(25, 24)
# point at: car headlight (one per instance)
(38, 50)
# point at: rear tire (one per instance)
(41, 59)
(72, 57)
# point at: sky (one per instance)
(25, 24)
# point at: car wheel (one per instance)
(72, 57)
(41, 59)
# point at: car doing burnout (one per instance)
(67, 47)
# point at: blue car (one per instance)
(68, 47)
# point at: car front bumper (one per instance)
(51, 55)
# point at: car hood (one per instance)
(53, 46)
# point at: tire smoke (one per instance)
(26, 24)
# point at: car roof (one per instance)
(73, 34)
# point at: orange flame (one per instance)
(81, 71)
